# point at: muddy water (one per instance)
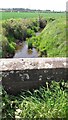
(23, 51)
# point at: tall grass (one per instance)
(46, 102)
(52, 39)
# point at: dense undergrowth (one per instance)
(15, 31)
(46, 102)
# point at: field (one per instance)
(16, 15)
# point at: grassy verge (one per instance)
(47, 102)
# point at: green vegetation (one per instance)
(52, 40)
(16, 30)
(50, 43)
(16, 15)
(30, 45)
(47, 102)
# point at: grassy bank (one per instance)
(47, 102)
(52, 41)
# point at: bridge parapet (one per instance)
(30, 73)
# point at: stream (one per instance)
(23, 51)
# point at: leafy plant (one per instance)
(30, 33)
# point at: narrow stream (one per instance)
(23, 51)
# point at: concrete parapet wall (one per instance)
(30, 73)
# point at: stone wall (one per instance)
(31, 73)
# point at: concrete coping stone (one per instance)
(32, 63)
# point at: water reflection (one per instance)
(23, 51)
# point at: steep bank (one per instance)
(52, 41)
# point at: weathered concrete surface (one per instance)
(32, 63)
(30, 73)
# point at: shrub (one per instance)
(20, 32)
(30, 33)
(4, 44)
(13, 44)
(42, 22)
(10, 48)
(35, 28)
(30, 46)
(20, 29)
(4, 41)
